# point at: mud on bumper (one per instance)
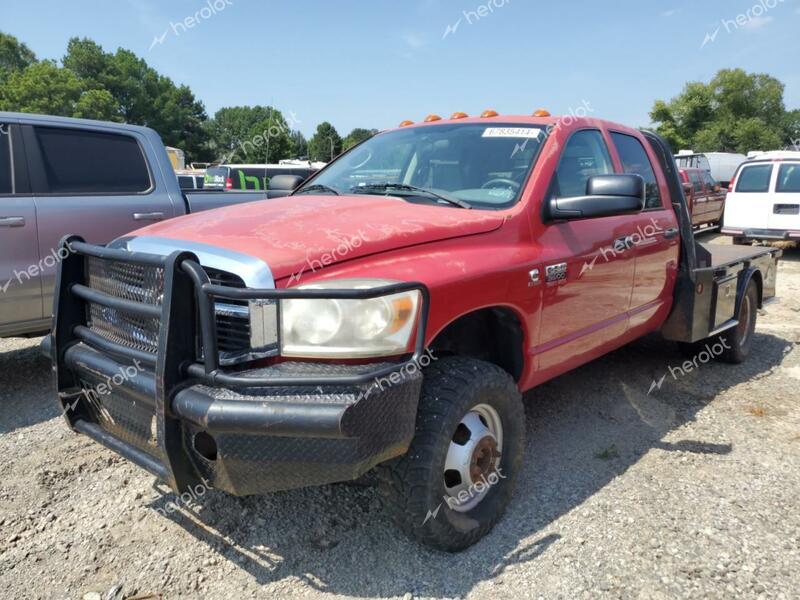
(246, 432)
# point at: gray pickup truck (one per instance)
(99, 180)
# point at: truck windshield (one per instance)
(480, 165)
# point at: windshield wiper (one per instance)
(317, 187)
(404, 187)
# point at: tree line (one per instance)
(735, 112)
(119, 86)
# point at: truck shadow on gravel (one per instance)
(583, 430)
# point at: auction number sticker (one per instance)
(513, 132)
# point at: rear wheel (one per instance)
(459, 474)
(738, 340)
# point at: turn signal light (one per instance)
(489, 113)
(431, 118)
(541, 113)
(406, 123)
(459, 115)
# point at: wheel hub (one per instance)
(473, 458)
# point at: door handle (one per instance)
(153, 216)
(671, 233)
(623, 243)
(12, 221)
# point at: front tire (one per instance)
(458, 476)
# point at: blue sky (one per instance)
(374, 63)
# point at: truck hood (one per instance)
(304, 233)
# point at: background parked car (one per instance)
(190, 179)
(764, 200)
(251, 177)
(721, 165)
(705, 197)
(99, 180)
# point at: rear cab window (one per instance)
(87, 162)
(788, 179)
(635, 160)
(6, 177)
(754, 179)
(697, 181)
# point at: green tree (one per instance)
(325, 144)
(250, 134)
(299, 144)
(357, 136)
(735, 112)
(42, 87)
(14, 56)
(142, 95)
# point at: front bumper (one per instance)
(246, 432)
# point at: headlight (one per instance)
(322, 328)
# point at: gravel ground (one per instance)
(691, 491)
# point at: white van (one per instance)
(763, 202)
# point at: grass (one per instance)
(608, 453)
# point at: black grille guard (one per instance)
(187, 311)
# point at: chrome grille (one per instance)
(138, 283)
(145, 284)
(233, 318)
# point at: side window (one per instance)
(697, 181)
(754, 180)
(6, 178)
(585, 156)
(88, 162)
(789, 179)
(634, 160)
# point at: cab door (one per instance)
(655, 241)
(586, 272)
(20, 275)
(749, 204)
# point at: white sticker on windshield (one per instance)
(513, 132)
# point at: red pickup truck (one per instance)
(391, 311)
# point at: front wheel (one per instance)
(459, 474)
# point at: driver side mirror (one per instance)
(606, 196)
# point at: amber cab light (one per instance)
(541, 113)
(431, 118)
(459, 115)
(406, 123)
(489, 113)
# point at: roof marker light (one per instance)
(541, 113)
(431, 118)
(406, 123)
(489, 113)
(459, 115)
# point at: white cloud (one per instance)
(413, 40)
(758, 23)
(671, 12)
